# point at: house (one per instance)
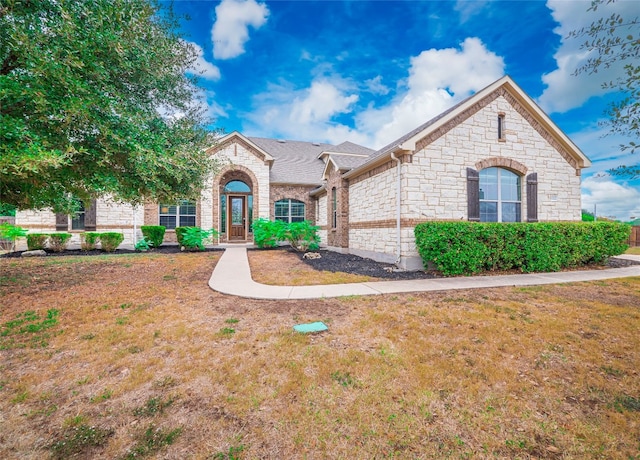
(495, 156)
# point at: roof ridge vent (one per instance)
(282, 141)
(317, 144)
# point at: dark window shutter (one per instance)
(62, 222)
(473, 195)
(90, 217)
(532, 197)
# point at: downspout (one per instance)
(398, 203)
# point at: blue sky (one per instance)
(370, 71)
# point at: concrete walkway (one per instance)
(232, 275)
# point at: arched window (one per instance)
(289, 210)
(500, 196)
(236, 186)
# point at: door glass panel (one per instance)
(236, 211)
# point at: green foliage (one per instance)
(458, 248)
(232, 454)
(152, 441)
(195, 238)
(111, 240)
(77, 439)
(610, 40)
(7, 209)
(154, 234)
(58, 241)
(267, 233)
(36, 241)
(10, 233)
(28, 328)
(88, 110)
(302, 236)
(625, 402)
(88, 240)
(587, 216)
(142, 245)
(152, 407)
(180, 231)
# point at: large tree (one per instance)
(94, 100)
(616, 39)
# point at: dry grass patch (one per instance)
(282, 268)
(635, 251)
(142, 364)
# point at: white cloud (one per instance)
(564, 90)
(202, 67)
(437, 80)
(469, 8)
(230, 31)
(305, 114)
(618, 200)
(375, 86)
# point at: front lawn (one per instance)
(134, 356)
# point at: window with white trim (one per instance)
(500, 196)
(289, 210)
(182, 214)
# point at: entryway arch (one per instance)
(237, 191)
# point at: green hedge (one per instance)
(110, 241)
(457, 248)
(37, 241)
(154, 234)
(88, 240)
(58, 241)
(180, 231)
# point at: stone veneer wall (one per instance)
(434, 184)
(110, 217)
(240, 162)
(322, 218)
(294, 192)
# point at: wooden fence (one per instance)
(634, 239)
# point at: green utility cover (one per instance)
(318, 326)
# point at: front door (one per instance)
(237, 218)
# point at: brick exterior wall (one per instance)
(294, 192)
(337, 237)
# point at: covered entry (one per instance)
(236, 209)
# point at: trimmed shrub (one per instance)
(302, 236)
(36, 241)
(88, 240)
(457, 248)
(154, 234)
(180, 231)
(111, 240)
(58, 241)
(193, 238)
(267, 233)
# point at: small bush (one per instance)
(302, 236)
(180, 231)
(195, 238)
(88, 240)
(457, 248)
(267, 233)
(142, 245)
(9, 234)
(58, 241)
(36, 241)
(154, 234)
(111, 240)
